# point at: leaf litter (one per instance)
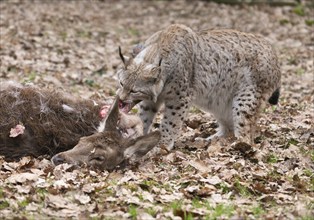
(73, 46)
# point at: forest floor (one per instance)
(72, 45)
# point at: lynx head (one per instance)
(139, 80)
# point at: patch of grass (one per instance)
(178, 211)
(309, 22)
(149, 183)
(273, 176)
(222, 210)
(134, 32)
(23, 203)
(292, 141)
(64, 35)
(199, 203)
(308, 153)
(223, 187)
(90, 82)
(271, 158)
(176, 205)
(1, 193)
(284, 21)
(258, 210)
(132, 187)
(242, 190)
(299, 10)
(41, 192)
(133, 211)
(112, 92)
(307, 217)
(307, 172)
(4, 204)
(151, 211)
(300, 71)
(31, 77)
(83, 34)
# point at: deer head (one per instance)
(107, 149)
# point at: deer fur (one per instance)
(54, 121)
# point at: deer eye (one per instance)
(98, 159)
(121, 84)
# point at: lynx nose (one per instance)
(57, 159)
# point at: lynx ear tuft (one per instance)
(126, 60)
(159, 64)
(121, 55)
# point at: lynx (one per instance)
(225, 72)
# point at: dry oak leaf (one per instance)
(199, 165)
(59, 202)
(22, 177)
(82, 198)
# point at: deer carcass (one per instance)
(36, 121)
(109, 148)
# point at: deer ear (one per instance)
(142, 145)
(113, 116)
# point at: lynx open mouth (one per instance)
(126, 106)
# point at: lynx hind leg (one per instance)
(225, 127)
(246, 106)
(148, 110)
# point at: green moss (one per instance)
(299, 10)
(309, 22)
(271, 158)
(284, 21)
(4, 204)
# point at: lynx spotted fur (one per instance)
(226, 72)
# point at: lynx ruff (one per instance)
(225, 72)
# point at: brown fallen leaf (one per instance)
(22, 178)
